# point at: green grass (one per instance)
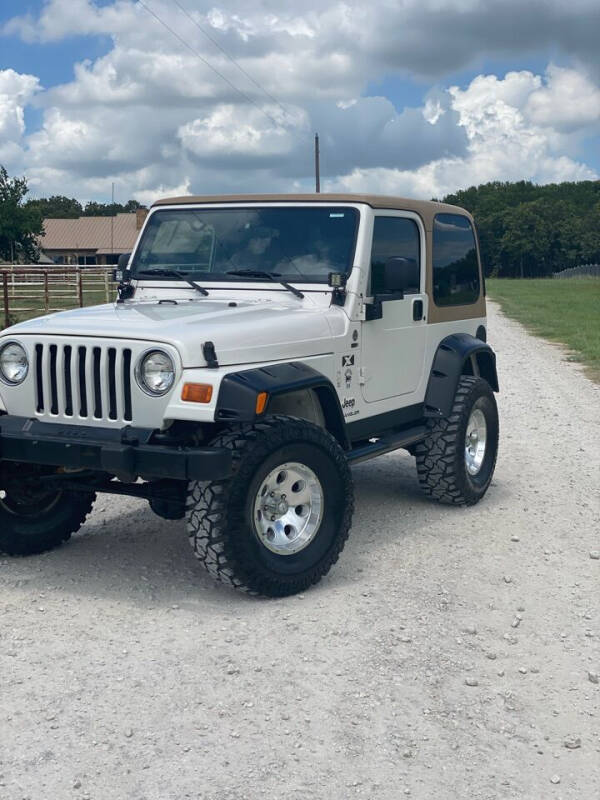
(565, 311)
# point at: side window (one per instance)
(455, 267)
(393, 237)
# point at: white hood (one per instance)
(280, 327)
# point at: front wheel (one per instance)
(35, 515)
(280, 522)
(456, 461)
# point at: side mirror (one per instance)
(402, 275)
(124, 261)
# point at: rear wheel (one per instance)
(34, 515)
(456, 461)
(280, 522)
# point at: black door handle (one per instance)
(417, 310)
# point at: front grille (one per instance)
(83, 381)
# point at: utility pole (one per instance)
(317, 165)
(112, 222)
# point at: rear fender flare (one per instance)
(454, 357)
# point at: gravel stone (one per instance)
(572, 742)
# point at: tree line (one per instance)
(59, 207)
(527, 230)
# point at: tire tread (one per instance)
(438, 468)
(209, 502)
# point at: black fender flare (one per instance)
(449, 364)
(238, 393)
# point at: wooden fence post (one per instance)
(80, 286)
(46, 293)
(5, 292)
(106, 286)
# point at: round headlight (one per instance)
(14, 364)
(156, 373)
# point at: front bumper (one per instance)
(127, 452)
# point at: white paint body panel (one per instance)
(393, 347)
(376, 366)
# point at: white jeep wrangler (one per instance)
(260, 345)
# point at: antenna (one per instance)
(317, 165)
(112, 222)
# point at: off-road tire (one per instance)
(441, 464)
(220, 521)
(29, 535)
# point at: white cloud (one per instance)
(61, 18)
(16, 91)
(149, 196)
(568, 102)
(433, 110)
(150, 114)
(230, 131)
(503, 144)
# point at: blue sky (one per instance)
(420, 99)
(52, 61)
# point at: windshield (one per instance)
(299, 244)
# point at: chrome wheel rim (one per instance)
(475, 441)
(288, 509)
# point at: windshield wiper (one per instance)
(269, 276)
(178, 274)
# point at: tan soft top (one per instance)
(426, 209)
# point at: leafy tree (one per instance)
(57, 207)
(93, 209)
(20, 226)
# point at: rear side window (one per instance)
(455, 267)
(393, 237)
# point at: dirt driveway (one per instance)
(451, 653)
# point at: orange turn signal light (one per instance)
(197, 393)
(261, 402)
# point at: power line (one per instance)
(230, 57)
(208, 64)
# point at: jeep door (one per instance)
(394, 333)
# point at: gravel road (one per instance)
(450, 654)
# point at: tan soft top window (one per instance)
(455, 263)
